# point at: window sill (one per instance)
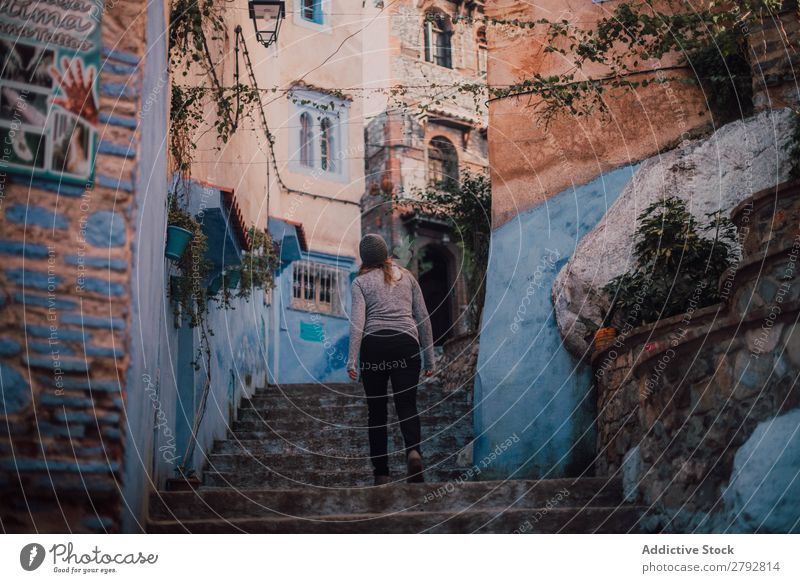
(317, 312)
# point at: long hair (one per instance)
(386, 267)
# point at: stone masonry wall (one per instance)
(677, 401)
(773, 50)
(64, 294)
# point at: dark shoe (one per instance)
(414, 465)
(382, 480)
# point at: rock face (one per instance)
(764, 490)
(713, 173)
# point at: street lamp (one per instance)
(266, 16)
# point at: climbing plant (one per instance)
(709, 40)
(195, 25)
(466, 206)
(256, 270)
(678, 261)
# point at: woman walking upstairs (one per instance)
(388, 329)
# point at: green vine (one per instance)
(630, 43)
(193, 23)
(465, 205)
(256, 270)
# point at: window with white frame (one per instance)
(318, 134)
(316, 287)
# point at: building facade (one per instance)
(423, 137)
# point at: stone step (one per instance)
(308, 425)
(616, 519)
(398, 497)
(258, 443)
(312, 390)
(336, 412)
(267, 478)
(457, 400)
(289, 463)
(327, 440)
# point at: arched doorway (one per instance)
(435, 281)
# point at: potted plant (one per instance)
(604, 334)
(180, 230)
(232, 278)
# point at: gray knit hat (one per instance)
(373, 249)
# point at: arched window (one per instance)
(438, 30)
(483, 51)
(326, 145)
(442, 163)
(306, 140)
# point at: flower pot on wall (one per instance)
(232, 278)
(177, 240)
(215, 285)
(604, 337)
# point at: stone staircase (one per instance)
(296, 461)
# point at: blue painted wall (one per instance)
(147, 282)
(307, 346)
(528, 386)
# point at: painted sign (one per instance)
(49, 62)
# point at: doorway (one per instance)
(436, 284)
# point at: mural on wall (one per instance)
(50, 55)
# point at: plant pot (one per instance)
(215, 285)
(604, 337)
(177, 240)
(232, 278)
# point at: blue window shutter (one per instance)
(318, 11)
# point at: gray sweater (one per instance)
(399, 306)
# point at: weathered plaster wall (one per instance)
(309, 346)
(527, 383)
(532, 161)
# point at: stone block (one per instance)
(29, 299)
(93, 321)
(16, 392)
(97, 262)
(30, 215)
(105, 229)
(29, 278)
(23, 249)
(50, 363)
(59, 333)
(9, 347)
(100, 286)
(57, 430)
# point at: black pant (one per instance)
(390, 354)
